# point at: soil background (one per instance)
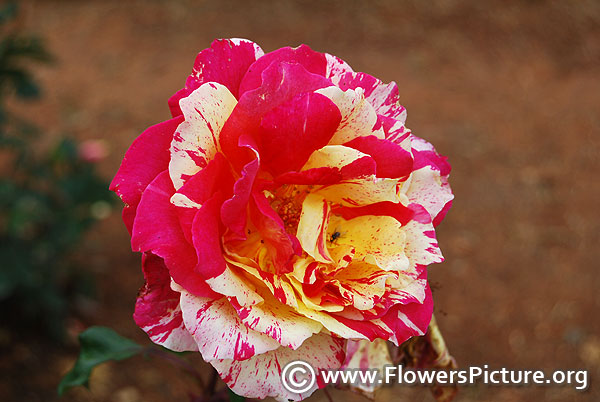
(508, 90)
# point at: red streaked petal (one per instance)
(196, 141)
(219, 331)
(157, 309)
(156, 228)
(234, 211)
(291, 132)
(206, 235)
(144, 160)
(280, 83)
(303, 55)
(408, 320)
(336, 68)
(260, 376)
(281, 322)
(392, 160)
(225, 62)
(384, 97)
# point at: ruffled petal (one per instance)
(219, 331)
(156, 228)
(225, 62)
(378, 240)
(233, 283)
(279, 321)
(145, 159)
(428, 184)
(196, 141)
(421, 244)
(260, 376)
(392, 160)
(331, 164)
(312, 61)
(362, 191)
(281, 82)
(384, 97)
(408, 320)
(364, 355)
(292, 131)
(157, 310)
(358, 116)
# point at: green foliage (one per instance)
(98, 345)
(48, 199)
(233, 397)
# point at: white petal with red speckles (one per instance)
(260, 376)
(429, 189)
(335, 68)
(358, 116)
(359, 192)
(196, 140)
(421, 244)
(407, 290)
(279, 321)
(364, 355)
(218, 330)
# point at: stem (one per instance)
(181, 363)
(327, 394)
(212, 383)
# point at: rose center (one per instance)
(287, 202)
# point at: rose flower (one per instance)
(282, 212)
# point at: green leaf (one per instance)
(98, 345)
(233, 397)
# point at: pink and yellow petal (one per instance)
(408, 320)
(312, 228)
(330, 322)
(421, 244)
(234, 284)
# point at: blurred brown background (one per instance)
(508, 90)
